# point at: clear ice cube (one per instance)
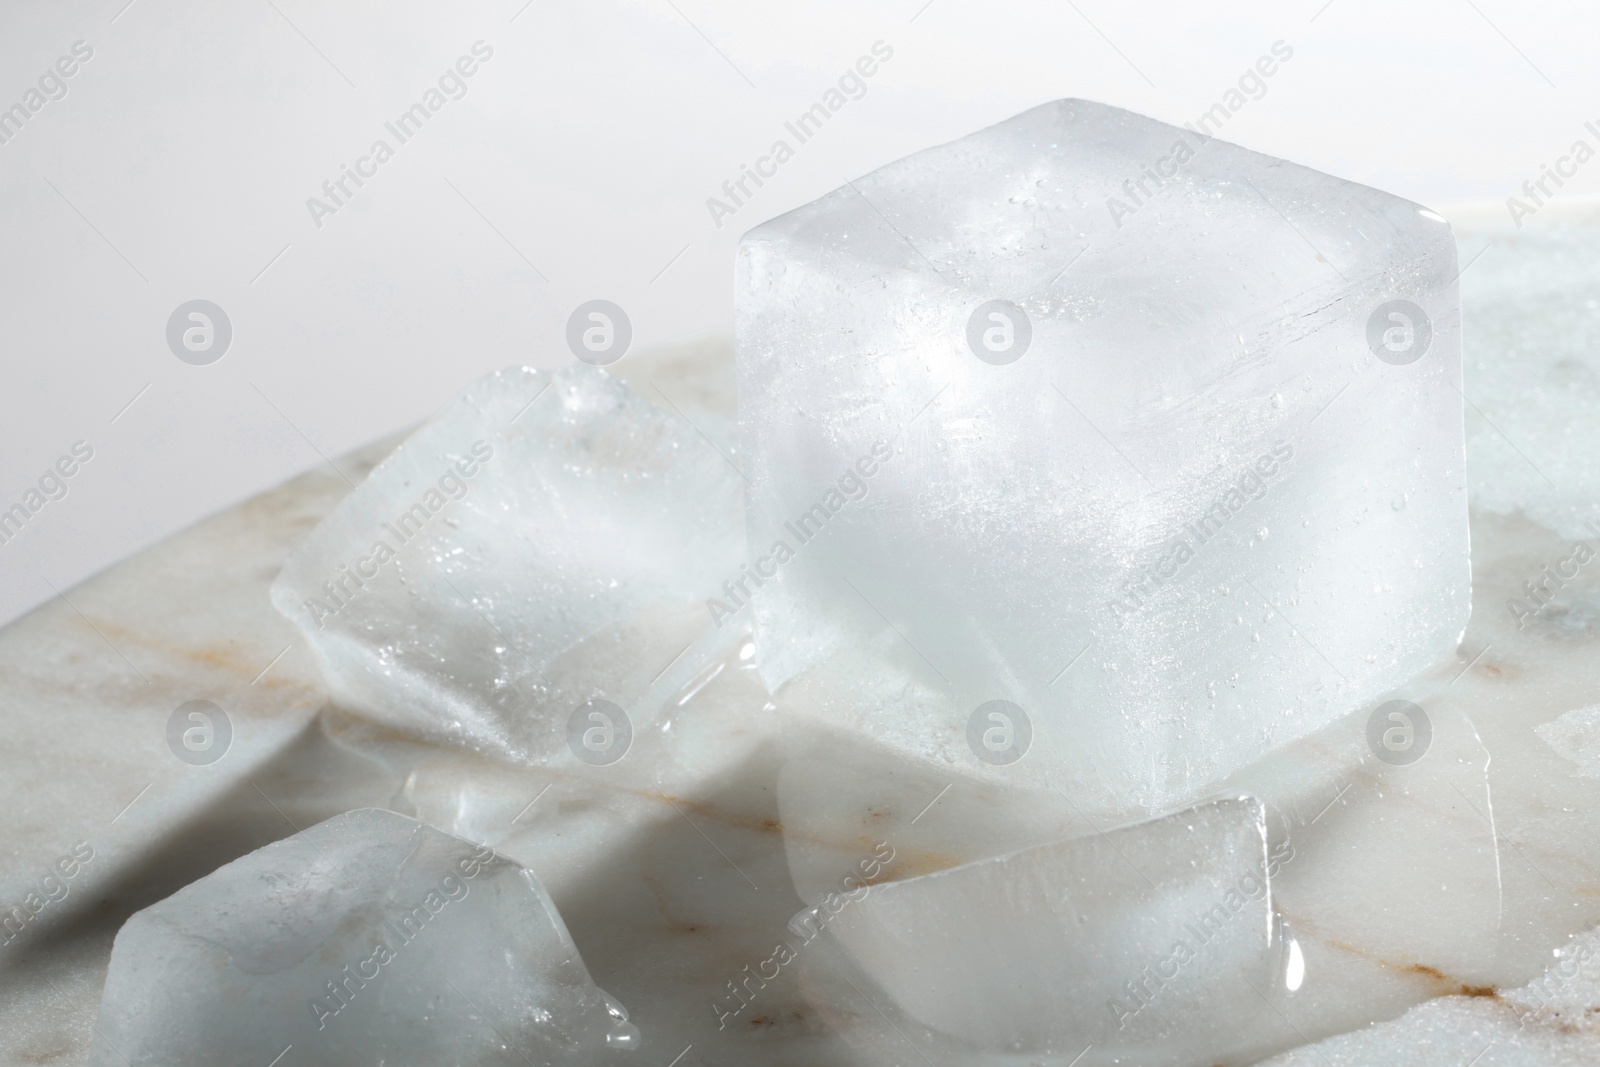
(546, 540)
(1158, 438)
(367, 938)
(1154, 941)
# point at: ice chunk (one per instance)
(546, 540)
(1087, 385)
(1153, 941)
(1550, 1022)
(367, 938)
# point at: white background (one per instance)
(179, 163)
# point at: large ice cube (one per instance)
(1085, 384)
(368, 938)
(1155, 941)
(546, 540)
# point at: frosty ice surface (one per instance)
(368, 938)
(1183, 483)
(547, 540)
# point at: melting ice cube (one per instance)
(1152, 941)
(545, 541)
(367, 938)
(1157, 438)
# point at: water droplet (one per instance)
(1261, 534)
(1294, 971)
(625, 1035)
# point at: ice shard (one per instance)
(547, 540)
(1154, 437)
(367, 938)
(1152, 941)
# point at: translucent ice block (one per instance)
(1155, 437)
(1153, 941)
(368, 938)
(546, 540)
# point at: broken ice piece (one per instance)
(545, 541)
(367, 938)
(1180, 475)
(1152, 941)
